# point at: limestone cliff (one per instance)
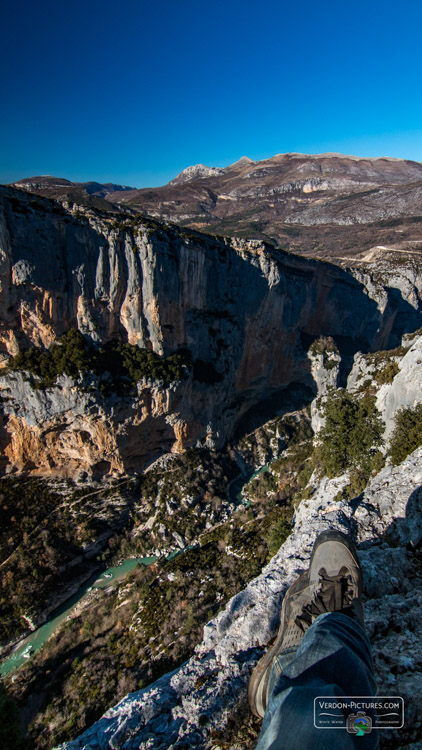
(246, 311)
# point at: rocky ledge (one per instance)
(197, 703)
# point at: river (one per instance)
(235, 491)
(33, 642)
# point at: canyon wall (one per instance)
(247, 311)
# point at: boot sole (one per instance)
(259, 679)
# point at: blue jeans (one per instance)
(333, 659)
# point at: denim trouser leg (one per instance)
(333, 658)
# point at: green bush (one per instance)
(387, 374)
(306, 473)
(407, 435)
(329, 364)
(69, 356)
(277, 535)
(324, 345)
(125, 363)
(353, 429)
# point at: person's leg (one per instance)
(331, 658)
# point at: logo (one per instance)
(359, 724)
(359, 715)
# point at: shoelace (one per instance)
(334, 594)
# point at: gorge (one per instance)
(245, 311)
(147, 369)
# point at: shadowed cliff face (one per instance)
(245, 310)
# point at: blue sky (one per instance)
(134, 91)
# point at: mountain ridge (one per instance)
(307, 204)
(165, 289)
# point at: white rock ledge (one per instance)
(181, 708)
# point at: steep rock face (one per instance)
(404, 390)
(246, 310)
(187, 705)
(325, 371)
(71, 428)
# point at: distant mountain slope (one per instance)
(62, 189)
(327, 206)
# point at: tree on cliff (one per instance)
(352, 432)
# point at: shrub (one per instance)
(407, 435)
(277, 535)
(329, 364)
(306, 473)
(126, 363)
(70, 355)
(324, 345)
(387, 374)
(353, 429)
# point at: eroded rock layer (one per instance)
(246, 311)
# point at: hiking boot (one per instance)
(333, 583)
(287, 641)
(335, 580)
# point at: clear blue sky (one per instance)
(133, 91)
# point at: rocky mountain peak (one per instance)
(196, 171)
(329, 206)
(243, 161)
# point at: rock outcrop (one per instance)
(71, 428)
(403, 389)
(189, 705)
(246, 311)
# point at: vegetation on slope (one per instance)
(46, 529)
(351, 435)
(178, 501)
(125, 363)
(118, 644)
(407, 435)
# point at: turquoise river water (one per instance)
(33, 642)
